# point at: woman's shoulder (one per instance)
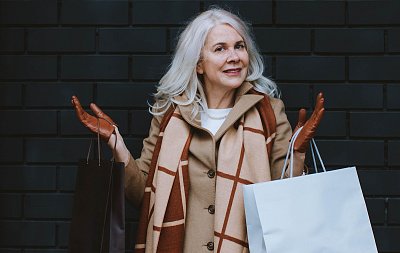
(278, 107)
(276, 101)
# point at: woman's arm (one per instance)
(281, 142)
(136, 171)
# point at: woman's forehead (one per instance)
(223, 33)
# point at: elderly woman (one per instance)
(217, 125)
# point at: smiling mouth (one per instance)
(233, 71)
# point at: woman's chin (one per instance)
(235, 83)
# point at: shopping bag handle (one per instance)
(314, 148)
(290, 153)
(98, 145)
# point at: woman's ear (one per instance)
(199, 68)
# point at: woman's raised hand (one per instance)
(101, 122)
(309, 126)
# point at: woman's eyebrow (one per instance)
(224, 43)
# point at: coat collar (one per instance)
(243, 102)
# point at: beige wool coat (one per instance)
(199, 227)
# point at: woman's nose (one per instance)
(233, 56)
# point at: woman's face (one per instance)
(224, 59)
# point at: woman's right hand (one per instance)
(102, 123)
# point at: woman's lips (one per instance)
(233, 72)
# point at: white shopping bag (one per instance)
(318, 213)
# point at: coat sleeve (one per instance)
(281, 144)
(136, 171)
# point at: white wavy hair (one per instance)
(182, 77)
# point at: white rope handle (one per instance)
(290, 154)
(314, 147)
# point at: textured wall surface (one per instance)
(114, 52)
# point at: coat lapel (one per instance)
(244, 103)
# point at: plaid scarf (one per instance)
(242, 159)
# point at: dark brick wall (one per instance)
(114, 52)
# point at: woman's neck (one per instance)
(220, 99)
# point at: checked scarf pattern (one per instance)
(242, 159)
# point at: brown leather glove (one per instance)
(102, 121)
(309, 126)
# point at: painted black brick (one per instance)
(173, 37)
(17, 122)
(134, 145)
(351, 152)
(376, 210)
(283, 40)
(352, 96)
(374, 12)
(333, 123)
(63, 234)
(125, 94)
(393, 101)
(28, 12)
(394, 153)
(255, 12)
(349, 40)
(55, 150)
(57, 94)
(12, 40)
(168, 12)
(374, 124)
(140, 122)
(268, 72)
(94, 67)
(133, 40)
(150, 66)
(387, 239)
(310, 12)
(10, 95)
(61, 40)
(10, 205)
(293, 117)
(28, 178)
(46, 251)
(95, 12)
(295, 96)
(70, 125)
(380, 182)
(27, 233)
(11, 149)
(53, 206)
(373, 68)
(9, 250)
(393, 211)
(28, 67)
(66, 178)
(310, 68)
(394, 40)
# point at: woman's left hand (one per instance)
(309, 126)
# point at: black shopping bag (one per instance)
(98, 216)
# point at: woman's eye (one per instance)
(219, 49)
(240, 46)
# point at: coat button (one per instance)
(210, 246)
(211, 209)
(211, 173)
